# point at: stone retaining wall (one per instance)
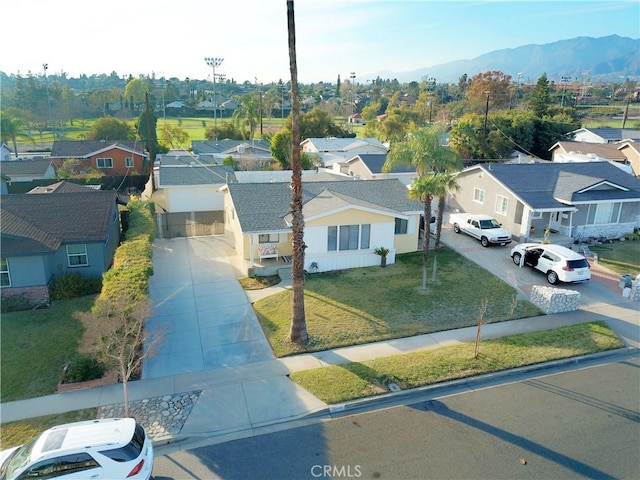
(555, 300)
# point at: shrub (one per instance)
(82, 368)
(72, 285)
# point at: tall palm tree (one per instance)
(298, 332)
(444, 182)
(12, 128)
(422, 149)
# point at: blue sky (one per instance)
(170, 38)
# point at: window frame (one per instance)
(5, 272)
(401, 226)
(479, 195)
(344, 238)
(78, 255)
(504, 201)
(269, 238)
(104, 159)
(129, 162)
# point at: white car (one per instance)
(113, 448)
(558, 263)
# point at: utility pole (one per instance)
(486, 112)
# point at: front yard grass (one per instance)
(355, 380)
(35, 346)
(17, 433)
(370, 304)
(621, 257)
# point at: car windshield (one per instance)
(489, 224)
(17, 460)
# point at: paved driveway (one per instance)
(200, 310)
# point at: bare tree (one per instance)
(127, 343)
(298, 332)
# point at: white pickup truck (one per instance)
(483, 227)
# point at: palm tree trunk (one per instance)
(426, 238)
(434, 271)
(298, 332)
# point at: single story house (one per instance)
(584, 151)
(28, 170)
(46, 236)
(576, 200)
(604, 135)
(368, 166)
(249, 155)
(125, 157)
(345, 221)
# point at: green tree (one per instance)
(317, 123)
(298, 331)
(224, 130)
(495, 84)
(540, 98)
(281, 150)
(135, 90)
(423, 150)
(247, 115)
(173, 136)
(109, 128)
(12, 128)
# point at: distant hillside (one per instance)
(611, 58)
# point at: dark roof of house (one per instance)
(265, 206)
(37, 167)
(86, 148)
(553, 185)
(220, 146)
(63, 187)
(196, 175)
(375, 161)
(615, 134)
(40, 224)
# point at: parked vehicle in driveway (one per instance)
(113, 448)
(558, 263)
(482, 227)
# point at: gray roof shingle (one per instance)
(196, 175)
(36, 167)
(37, 224)
(264, 207)
(86, 148)
(538, 183)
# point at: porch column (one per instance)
(251, 251)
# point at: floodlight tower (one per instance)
(214, 62)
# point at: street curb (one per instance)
(351, 406)
(379, 401)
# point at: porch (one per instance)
(554, 238)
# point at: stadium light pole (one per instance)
(46, 86)
(214, 62)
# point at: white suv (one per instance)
(113, 448)
(558, 263)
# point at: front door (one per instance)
(555, 220)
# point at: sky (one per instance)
(171, 38)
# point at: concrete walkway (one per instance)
(240, 393)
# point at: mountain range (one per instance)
(586, 59)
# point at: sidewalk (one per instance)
(235, 401)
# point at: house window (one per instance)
(128, 162)
(348, 237)
(502, 204)
(365, 235)
(5, 278)
(536, 215)
(77, 255)
(104, 162)
(603, 213)
(478, 195)
(268, 238)
(332, 239)
(401, 226)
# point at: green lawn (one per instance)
(35, 346)
(350, 381)
(621, 257)
(369, 304)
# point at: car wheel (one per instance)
(516, 258)
(456, 228)
(484, 241)
(552, 277)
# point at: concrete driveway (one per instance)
(201, 312)
(601, 295)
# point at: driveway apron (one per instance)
(202, 318)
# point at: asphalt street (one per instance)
(582, 423)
